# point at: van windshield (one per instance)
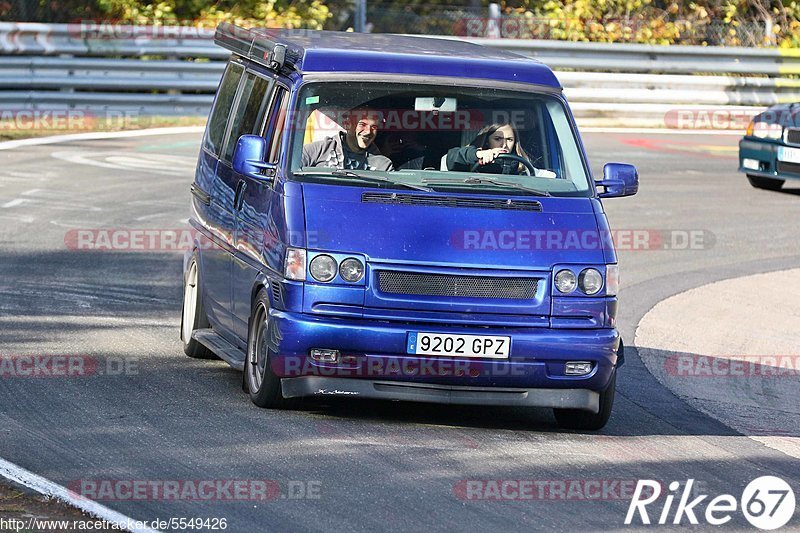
(432, 137)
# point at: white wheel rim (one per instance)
(189, 303)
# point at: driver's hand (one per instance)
(487, 156)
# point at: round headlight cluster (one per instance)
(323, 268)
(764, 130)
(589, 281)
(565, 281)
(351, 269)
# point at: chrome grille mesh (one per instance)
(419, 284)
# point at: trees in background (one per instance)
(730, 22)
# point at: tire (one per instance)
(193, 315)
(260, 382)
(765, 183)
(584, 420)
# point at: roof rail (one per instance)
(257, 45)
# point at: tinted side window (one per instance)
(249, 115)
(215, 132)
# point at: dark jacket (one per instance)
(464, 158)
(329, 152)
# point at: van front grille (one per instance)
(793, 136)
(419, 284)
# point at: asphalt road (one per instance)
(149, 413)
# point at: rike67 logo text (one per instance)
(767, 502)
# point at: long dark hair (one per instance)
(481, 141)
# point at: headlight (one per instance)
(612, 280)
(762, 130)
(295, 265)
(565, 281)
(351, 270)
(323, 268)
(590, 281)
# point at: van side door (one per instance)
(260, 217)
(214, 201)
(249, 117)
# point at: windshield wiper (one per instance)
(350, 174)
(477, 180)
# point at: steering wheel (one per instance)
(530, 170)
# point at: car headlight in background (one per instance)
(294, 267)
(763, 130)
(351, 269)
(590, 281)
(566, 281)
(323, 268)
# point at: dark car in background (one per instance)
(769, 153)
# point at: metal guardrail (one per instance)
(67, 66)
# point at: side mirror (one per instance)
(248, 158)
(619, 180)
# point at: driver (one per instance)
(493, 140)
(352, 149)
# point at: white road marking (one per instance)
(170, 165)
(25, 219)
(13, 203)
(92, 136)
(154, 215)
(49, 489)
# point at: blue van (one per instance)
(403, 218)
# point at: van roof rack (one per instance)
(258, 45)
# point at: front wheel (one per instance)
(578, 419)
(260, 382)
(765, 183)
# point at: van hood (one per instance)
(455, 229)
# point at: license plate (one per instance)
(790, 155)
(491, 347)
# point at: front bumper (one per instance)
(766, 153)
(583, 399)
(375, 363)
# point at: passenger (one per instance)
(352, 149)
(493, 140)
(404, 149)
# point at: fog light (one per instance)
(577, 368)
(752, 164)
(325, 356)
